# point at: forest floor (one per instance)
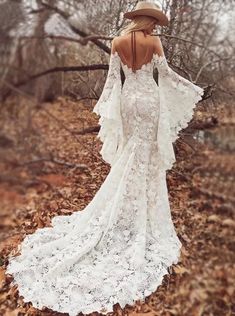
(50, 168)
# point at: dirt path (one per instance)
(54, 182)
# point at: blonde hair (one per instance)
(139, 23)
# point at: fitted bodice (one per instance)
(146, 71)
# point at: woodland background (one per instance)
(53, 63)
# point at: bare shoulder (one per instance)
(156, 40)
(114, 44)
(119, 42)
(157, 45)
(117, 39)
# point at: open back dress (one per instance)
(118, 248)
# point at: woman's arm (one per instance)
(108, 107)
(178, 98)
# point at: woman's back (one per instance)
(143, 46)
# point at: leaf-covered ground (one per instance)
(49, 168)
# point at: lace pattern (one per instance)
(178, 98)
(118, 248)
(108, 107)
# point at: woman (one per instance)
(118, 249)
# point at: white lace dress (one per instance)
(119, 247)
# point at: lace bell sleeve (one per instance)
(108, 107)
(178, 98)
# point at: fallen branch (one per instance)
(58, 162)
(92, 129)
(87, 98)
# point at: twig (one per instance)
(88, 130)
(88, 98)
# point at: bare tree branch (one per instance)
(61, 69)
(66, 16)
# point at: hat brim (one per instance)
(154, 13)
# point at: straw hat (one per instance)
(149, 9)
